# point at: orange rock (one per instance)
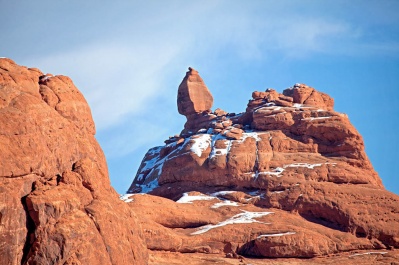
(211, 224)
(290, 154)
(57, 205)
(193, 96)
(304, 94)
(220, 112)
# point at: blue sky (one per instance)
(128, 58)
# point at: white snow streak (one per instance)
(201, 143)
(311, 166)
(125, 197)
(224, 203)
(368, 253)
(219, 151)
(254, 135)
(46, 77)
(278, 191)
(190, 198)
(316, 118)
(150, 164)
(279, 234)
(223, 192)
(156, 164)
(150, 186)
(278, 170)
(241, 218)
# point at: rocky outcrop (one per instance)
(257, 148)
(229, 224)
(289, 174)
(193, 98)
(288, 178)
(56, 203)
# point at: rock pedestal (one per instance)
(194, 101)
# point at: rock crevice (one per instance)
(51, 214)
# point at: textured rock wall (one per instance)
(56, 203)
(287, 178)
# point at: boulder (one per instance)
(193, 96)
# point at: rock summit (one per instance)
(193, 96)
(286, 178)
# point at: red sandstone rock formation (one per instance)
(288, 178)
(289, 175)
(56, 203)
(193, 96)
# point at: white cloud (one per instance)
(115, 79)
(133, 136)
(128, 57)
(125, 74)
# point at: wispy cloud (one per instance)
(127, 73)
(116, 80)
(128, 57)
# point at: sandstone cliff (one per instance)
(56, 203)
(286, 178)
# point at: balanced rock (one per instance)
(193, 96)
(57, 205)
(288, 177)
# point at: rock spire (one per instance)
(193, 96)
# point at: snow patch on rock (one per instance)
(241, 218)
(310, 166)
(219, 151)
(186, 198)
(126, 197)
(201, 143)
(278, 234)
(224, 203)
(150, 186)
(223, 192)
(368, 253)
(316, 118)
(248, 134)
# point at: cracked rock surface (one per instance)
(289, 154)
(56, 203)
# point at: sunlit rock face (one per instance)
(288, 177)
(56, 203)
(193, 96)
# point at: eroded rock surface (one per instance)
(229, 224)
(56, 203)
(289, 174)
(193, 96)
